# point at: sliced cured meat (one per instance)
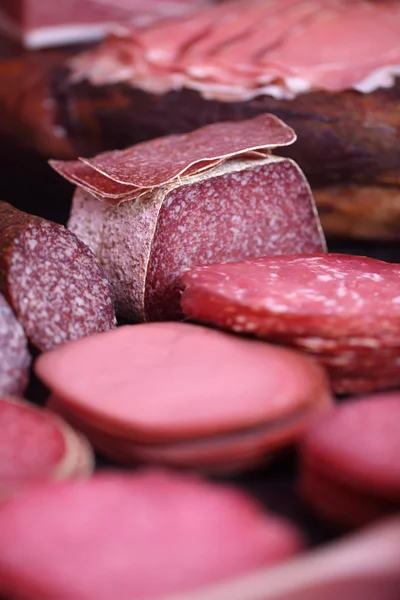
(15, 357)
(39, 24)
(194, 532)
(36, 446)
(242, 413)
(217, 454)
(343, 310)
(350, 454)
(329, 295)
(215, 194)
(53, 282)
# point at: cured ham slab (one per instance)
(53, 282)
(231, 416)
(342, 310)
(217, 193)
(348, 467)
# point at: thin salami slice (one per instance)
(355, 449)
(35, 446)
(241, 413)
(52, 280)
(188, 532)
(15, 357)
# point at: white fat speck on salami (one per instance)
(15, 357)
(53, 282)
(327, 295)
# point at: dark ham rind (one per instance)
(348, 458)
(344, 311)
(36, 446)
(225, 197)
(53, 282)
(15, 357)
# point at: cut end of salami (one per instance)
(342, 310)
(349, 468)
(15, 357)
(54, 283)
(249, 399)
(194, 533)
(36, 446)
(152, 210)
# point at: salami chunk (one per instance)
(53, 282)
(15, 357)
(180, 401)
(349, 460)
(195, 532)
(152, 210)
(36, 446)
(342, 310)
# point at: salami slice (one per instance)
(351, 454)
(53, 282)
(192, 532)
(239, 414)
(343, 310)
(36, 446)
(15, 357)
(214, 194)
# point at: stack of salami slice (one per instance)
(36, 446)
(342, 310)
(183, 395)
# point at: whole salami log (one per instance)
(349, 470)
(53, 282)
(342, 310)
(231, 417)
(195, 532)
(36, 446)
(15, 357)
(217, 193)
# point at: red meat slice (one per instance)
(53, 282)
(35, 446)
(354, 448)
(175, 382)
(134, 536)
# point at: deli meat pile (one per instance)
(199, 398)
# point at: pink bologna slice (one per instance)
(36, 446)
(176, 384)
(343, 310)
(349, 467)
(152, 210)
(143, 536)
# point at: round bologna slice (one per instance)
(354, 448)
(166, 382)
(321, 295)
(15, 357)
(136, 536)
(35, 446)
(53, 282)
(224, 453)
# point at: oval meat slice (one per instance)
(140, 535)
(183, 394)
(349, 459)
(36, 446)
